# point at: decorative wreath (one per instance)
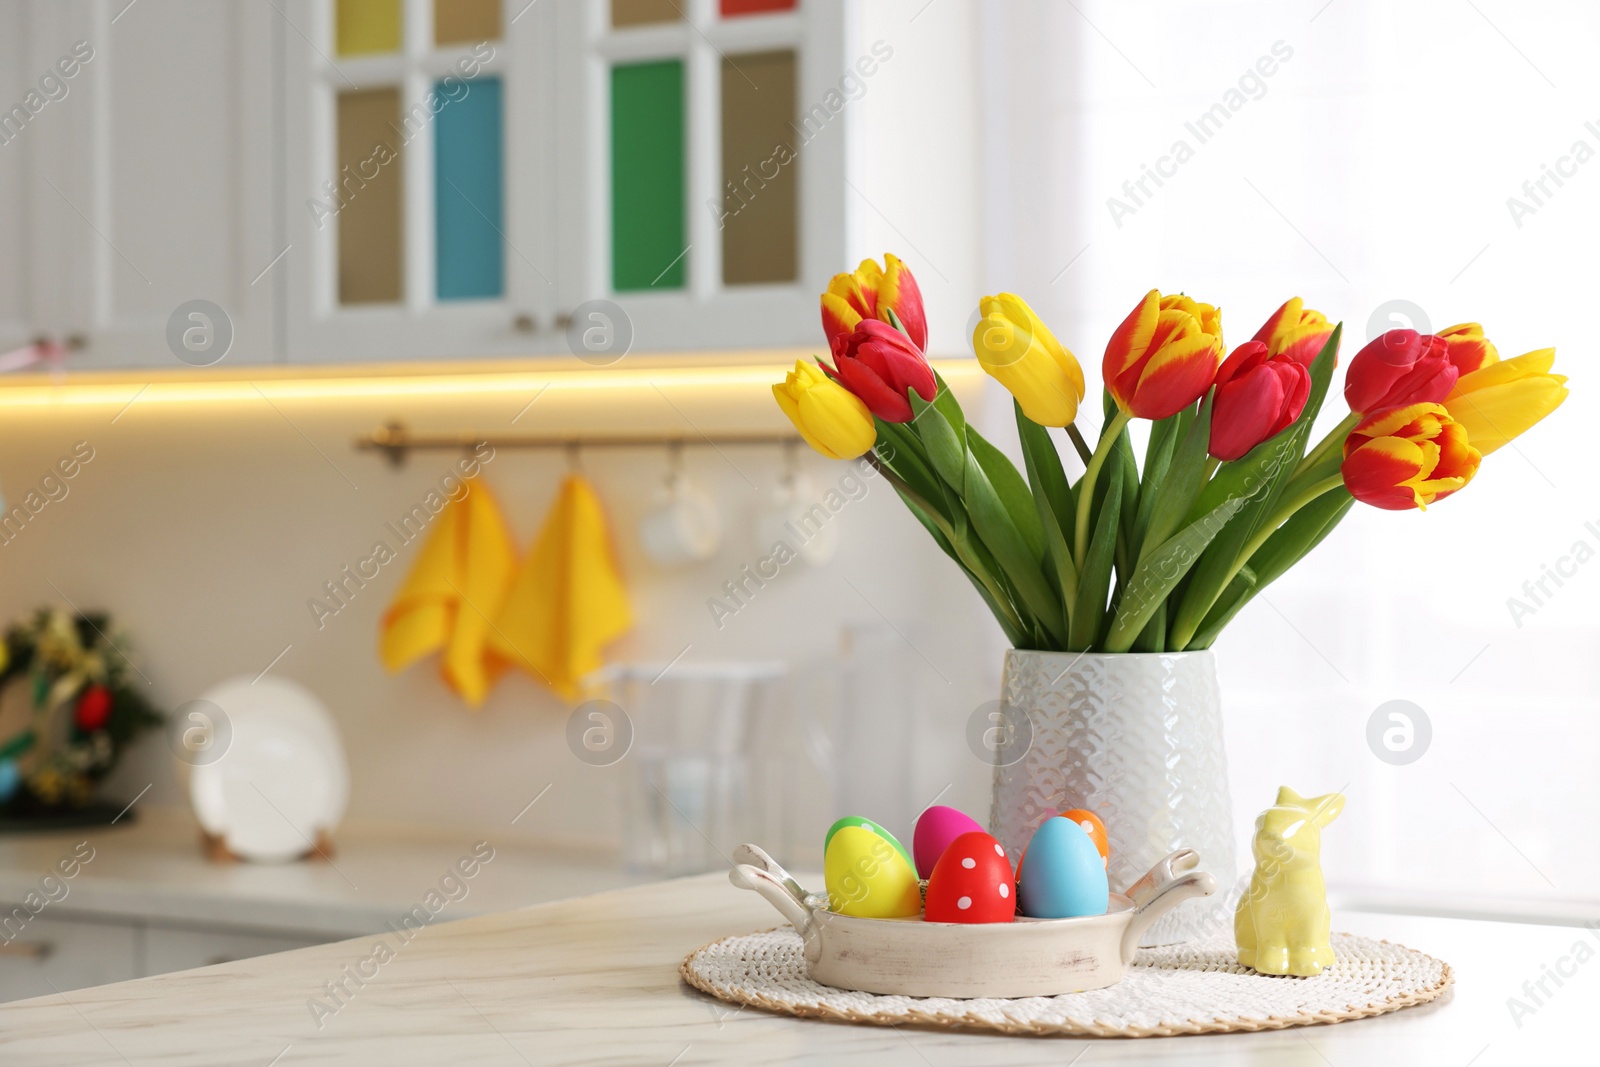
(70, 663)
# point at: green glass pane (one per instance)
(648, 229)
(364, 26)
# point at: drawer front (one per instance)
(171, 948)
(47, 954)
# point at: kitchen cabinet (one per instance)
(136, 163)
(53, 954)
(356, 181)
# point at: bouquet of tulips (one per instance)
(1155, 556)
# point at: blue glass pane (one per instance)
(469, 205)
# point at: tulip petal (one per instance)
(881, 398)
(1131, 339)
(839, 318)
(1500, 413)
(1175, 376)
(1379, 472)
(1526, 365)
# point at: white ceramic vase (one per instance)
(1135, 738)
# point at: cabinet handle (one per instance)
(525, 323)
(28, 950)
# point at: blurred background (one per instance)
(236, 236)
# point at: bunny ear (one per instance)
(1325, 808)
(1288, 798)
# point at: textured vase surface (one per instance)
(1135, 738)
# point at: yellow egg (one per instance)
(868, 877)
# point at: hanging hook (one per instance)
(791, 462)
(674, 460)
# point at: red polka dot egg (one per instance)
(972, 883)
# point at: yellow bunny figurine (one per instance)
(1281, 925)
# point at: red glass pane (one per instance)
(735, 8)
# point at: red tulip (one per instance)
(1258, 395)
(1401, 367)
(1164, 355)
(1296, 331)
(94, 708)
(878, 364)
(1407, 457)
(1468, 348)
(872, 292)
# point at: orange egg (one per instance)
(1094, 828)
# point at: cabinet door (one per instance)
(418, 196)
(703, 187)
(147, 175)
(50, 954)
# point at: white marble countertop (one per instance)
(153, 869)
(594, 981)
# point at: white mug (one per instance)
(684, 527)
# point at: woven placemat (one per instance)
(1192, 988)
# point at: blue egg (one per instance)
(10, 779)
(1062, 875)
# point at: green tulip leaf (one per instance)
(1185, 477)
(992, 523)
(1292, 542)
(1012, 489)
(1094, 581)
(946, 449)
(1160, 571)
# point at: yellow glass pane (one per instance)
(369, 186)
(365, 26)
(760, 239)
(465, 21)
(643, 12)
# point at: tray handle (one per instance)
(1169, 883)
(754, 869)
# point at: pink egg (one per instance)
(936, 828)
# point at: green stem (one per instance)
(1212, 463)
(1108, 441)
(1284, 514)
(1335, 436)
(1079, 443)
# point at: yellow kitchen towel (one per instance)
(569, 602)
(451, 595)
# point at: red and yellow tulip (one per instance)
(879, 364)
(871, 292)
(1258, 395)
(832, 419)
(1501, 399)
(1164, 355)
(1019, 351)
(1407, 457)
(1467, 348)
(1399, 368)
(1295, 331)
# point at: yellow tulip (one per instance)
(1020, 352)
(830, 417)
(1501, 400)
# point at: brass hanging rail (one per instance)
(394, 441)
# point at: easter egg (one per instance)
(868, 877)
(936, 828)
(1062, 874)
(1094, 828)
(94, 708)
(10, 779)
(972, 883)
(856, 820)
